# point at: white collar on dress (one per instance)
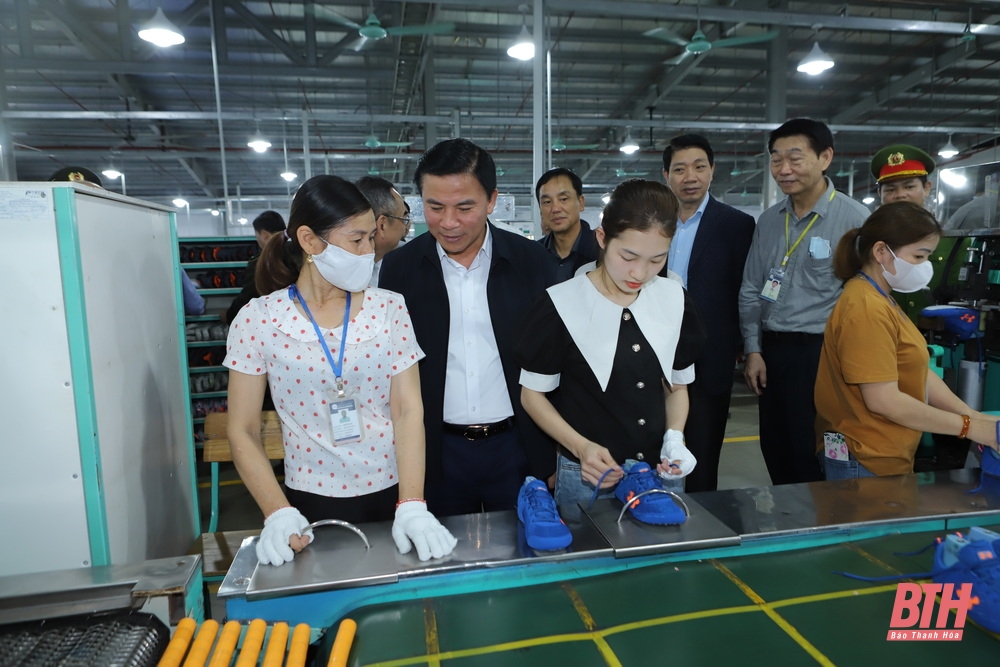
(593, 321)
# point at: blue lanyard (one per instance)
(338, 368)
(874, 284)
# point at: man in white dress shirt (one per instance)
(467, 285)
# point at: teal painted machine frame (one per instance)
(67, 232)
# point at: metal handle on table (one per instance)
(342, 524)
(679, 500)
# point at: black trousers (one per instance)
(378, 506)
(703, 434)
(786, 408)
(478, 475)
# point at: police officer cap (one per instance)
(901, 161)
(78, 175)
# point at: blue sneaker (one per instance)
(990, 461)
(973, 560)
(544, 530)
(656, 508)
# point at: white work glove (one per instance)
(674, 450)
(415, 524)
(272, 546)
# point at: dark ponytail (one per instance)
(896, 225)
(322, 203)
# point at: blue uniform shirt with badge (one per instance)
(807, 288)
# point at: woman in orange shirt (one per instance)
(874, 394)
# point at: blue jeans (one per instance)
(571, 488)
(850, 469)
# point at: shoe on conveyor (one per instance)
(973, 559)
(990, 461)
(544, 530)
(656, 508)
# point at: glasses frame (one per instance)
(407, 220)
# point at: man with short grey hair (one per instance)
(392, 217)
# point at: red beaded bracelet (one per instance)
(410, 500)
(966, 424)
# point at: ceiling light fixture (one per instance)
(948, 150)
(215, 212)
(816, 62)
(629, 146)
(114, 175)
(287, 174)
(954, 178)
(868, 200)
(523, 47)
(180, 203)
(258, 143)
(160, 31)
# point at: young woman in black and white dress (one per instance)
(607, 355)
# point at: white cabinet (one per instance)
(98, 460)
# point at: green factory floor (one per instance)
(786, 608)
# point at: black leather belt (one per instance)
(790, 336)
(479, 431)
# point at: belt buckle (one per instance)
(473, 433)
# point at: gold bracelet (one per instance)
(966, 423)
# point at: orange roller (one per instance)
(178, 645)
(252, 642)
(223, 653)
(202, 645)
(300, 646)
(276, 645)
(342, 644)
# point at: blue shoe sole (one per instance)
(556, 543)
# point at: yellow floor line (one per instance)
(580, 606)
(742, 438)
(588, 622)
(595, 636)
(773, 615)
(431, 634)
(838, 595)
(871, 558)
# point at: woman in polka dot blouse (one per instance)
(349, 402)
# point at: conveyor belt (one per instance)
(769, 609)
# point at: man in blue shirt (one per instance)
(708, 251)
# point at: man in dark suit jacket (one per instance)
(708, 251)
(467, 285)
(559, 193)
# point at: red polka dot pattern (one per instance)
(303, 383)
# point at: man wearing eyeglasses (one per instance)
(392, 217)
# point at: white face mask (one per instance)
(344, 269)
(909, 277)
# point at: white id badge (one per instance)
(345, 419)
(835, 447)
(772, 285)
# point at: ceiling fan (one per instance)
(374, 142)
(373, 30)
(503, 172)
(559, 145)
(699, 43)
(374, 171)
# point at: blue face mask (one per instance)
(909, 277)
